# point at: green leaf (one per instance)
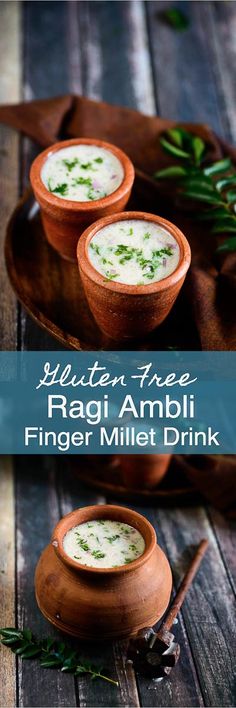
(231, 196)
(61, 647)
(224, 228)
(201, 197)
(10, 632)
(228, 245)
(20, 650)
(70, 663)
(21, 644)
(173, 150)
(50, 663)
(214, 213)
(176, 136)
(199, 185)
(31, 651)
(220, 166)
(175, 18)
(171, 172)
(49, 644)
(222, 183)
(226, 219)
(198, 148)
(10, 641)
(80, 669)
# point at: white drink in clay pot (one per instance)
(82, 173)
(103, 543)
(135, 252)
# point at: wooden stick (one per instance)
(184, 586)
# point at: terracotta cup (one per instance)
(129, 311)
(63, 219)
(94, 603)
(143, 471)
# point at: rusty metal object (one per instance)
(154, 654)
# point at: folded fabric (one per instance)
(214, 476)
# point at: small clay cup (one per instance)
(106, 603)
(124, 311)
(143, 471)
(63, 219)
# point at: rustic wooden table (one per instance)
(123, 53)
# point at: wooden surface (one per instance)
(123, 53)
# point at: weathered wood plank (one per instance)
(223, 38)
(45, 36)
(182, 689)
(7, 584)
(114, 53)
(37, 512)
(9, 157)
(209, 608)
(225, 532)
(185, 82)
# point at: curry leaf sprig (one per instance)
(51, 654)
(213, 185)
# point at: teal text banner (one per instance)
(117, 402)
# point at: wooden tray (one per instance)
(108, 481)
(50, 288)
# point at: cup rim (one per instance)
(86, 266)
(73, 205)
(111, 512)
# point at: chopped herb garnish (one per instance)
(59, 189)
(82, 180)
(126, 531)
(92, 194)
(162, 252)
(86, 166)
(111, 276)
(98, 554)
(98, 159)
(82, 543)
(111, 539)
(95, 247)
(70, 164)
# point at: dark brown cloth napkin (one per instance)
(214, 476)
(211, 283)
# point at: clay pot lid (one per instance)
(73, 205)
(151, 288)
(113, 513)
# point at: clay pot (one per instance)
(143, 471)
(94, 603)
(64, 220)
(129, 311)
